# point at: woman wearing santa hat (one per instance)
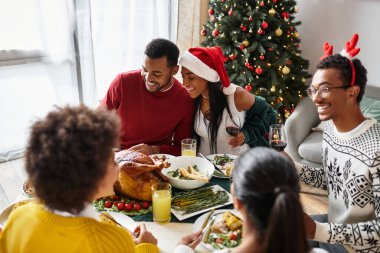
(220, 105)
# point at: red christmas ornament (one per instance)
(291, 28)
(251, 68)
(247, 64)
(203, 32)
(211, 11)
(262, 57)
(248, 87)
(215, 33)
(274, 1)
(285, 15)
(264, 25)
(241, 47)
(289, 62)
(250, 18)
(297, 45)
(230, 12)
(270, 49)
(232, 57)
(226, 59)
(259, 70)
(262, 4)
(260, 31)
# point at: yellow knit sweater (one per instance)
(32, 228)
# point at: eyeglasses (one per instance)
(322, 90)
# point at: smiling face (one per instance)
(157, 73)
(194, 84)
(335, 104)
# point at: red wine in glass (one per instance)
(278, 145)
(233, 131)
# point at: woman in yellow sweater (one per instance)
(69, 160)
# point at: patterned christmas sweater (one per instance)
(351, 175)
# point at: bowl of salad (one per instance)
(187, 173)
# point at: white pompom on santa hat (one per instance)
(208, 63)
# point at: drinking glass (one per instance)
(277, 138)
(161, 201)
(188, 147)
(233, 125)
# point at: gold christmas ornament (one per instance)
(278, 32)
(246, 43)
(273, 89)
(296, 35)
(285, 70)
(272, 12)
(296, 9)
(269, 65)
(303, 79)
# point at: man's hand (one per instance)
(144, 236)
(310, 226)
(145, 149)
(192, 240)
(237, 140)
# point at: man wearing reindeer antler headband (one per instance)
(350, 156)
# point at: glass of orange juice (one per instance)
(189, 147)
(162, 201)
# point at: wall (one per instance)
(335, 21)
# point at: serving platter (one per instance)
(161, 157)
(181, 215)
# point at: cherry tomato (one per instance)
(116, 197)
(219, 240)
(233, 236)
(137, 206)
(120, 206)
(128, 206)
(108, 204)
(116, 203)
(145, 204)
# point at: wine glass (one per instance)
(233, 125)
(277, 138)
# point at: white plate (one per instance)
(216, 173)
(180, 216)
(6, 211)
(124, 220)
(199, 222)
(167, 156)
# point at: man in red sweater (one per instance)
(155, 109)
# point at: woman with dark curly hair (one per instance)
(69, 160)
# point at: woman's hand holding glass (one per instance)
(233, 125)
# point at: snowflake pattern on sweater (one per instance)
(351, 175)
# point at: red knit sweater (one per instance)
(159, 118)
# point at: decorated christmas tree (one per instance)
(261, 46)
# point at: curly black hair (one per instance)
(158, 48)
(68, 153)
(342, 64)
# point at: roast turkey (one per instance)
(137, 174)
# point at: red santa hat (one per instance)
(208, 63)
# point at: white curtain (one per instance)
(120, 31)
(66, 52)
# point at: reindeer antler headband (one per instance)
(349, 52)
